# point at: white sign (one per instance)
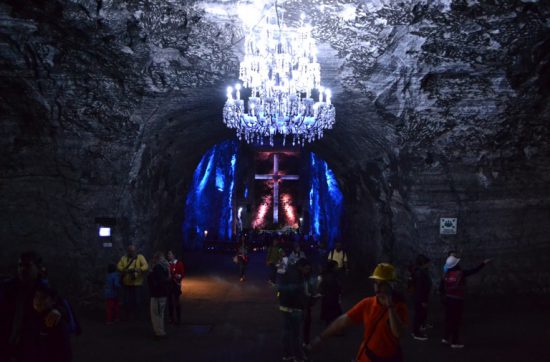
(104, 231)
(447, 225)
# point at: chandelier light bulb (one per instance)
(328, 93)
(280, 68)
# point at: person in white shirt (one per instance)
(340, 257)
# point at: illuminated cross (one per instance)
(276, 178)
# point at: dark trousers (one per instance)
(113, 310)
(174, 307)
(307, 324)
(292, 343)
(453, 318)
(420, 316)
(273, 273)
(131, 300)
(242, 269)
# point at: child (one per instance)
(112, 289)
(54, 343)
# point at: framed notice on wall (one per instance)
(447, 225)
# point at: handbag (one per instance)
(235, 259)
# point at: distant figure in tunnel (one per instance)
(242, 259)
(274, 255)
(159, 283)
(384, 318)
(296, 254)
(174, 292)
(330, 289)
(453, 287)
(20, 324)
(132, 266)
(292, 303)
(341, 258)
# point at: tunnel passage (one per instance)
(232, 193)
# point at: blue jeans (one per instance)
(292, 333)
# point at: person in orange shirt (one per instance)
(384, 318)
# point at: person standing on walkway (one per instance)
(292, 301)
(282, 266)
(176, 275)
(132, 266)
(159, 283)
(422, 285)
(341, 258)
(330, 288)
(242, 259)
(454, 288)
(273, 257)
(296, 254)
(384, 318)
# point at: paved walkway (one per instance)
(225, 320)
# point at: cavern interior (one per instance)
(112, 116)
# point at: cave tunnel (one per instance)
(112, 120)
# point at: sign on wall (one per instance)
(447, 225)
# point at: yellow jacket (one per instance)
(132, 269)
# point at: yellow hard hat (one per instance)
(385, 272)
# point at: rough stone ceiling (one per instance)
(427, 66)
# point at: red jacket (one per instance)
(455, 284)
(176, 270)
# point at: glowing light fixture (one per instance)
(104, 231)
(280, 67)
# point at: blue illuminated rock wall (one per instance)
(325, 202)
(210, 198)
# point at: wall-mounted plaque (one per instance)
(447, 225)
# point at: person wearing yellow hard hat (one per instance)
(384, 317)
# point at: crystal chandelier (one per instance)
(281, 70)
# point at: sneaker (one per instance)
(457, 345)
(290, 358)
(420, 337)
(444, 341)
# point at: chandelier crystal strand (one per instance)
(280, 68)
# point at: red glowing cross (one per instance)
(276, 179)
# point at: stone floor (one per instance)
(225, 320)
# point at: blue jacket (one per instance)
(112, 285)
